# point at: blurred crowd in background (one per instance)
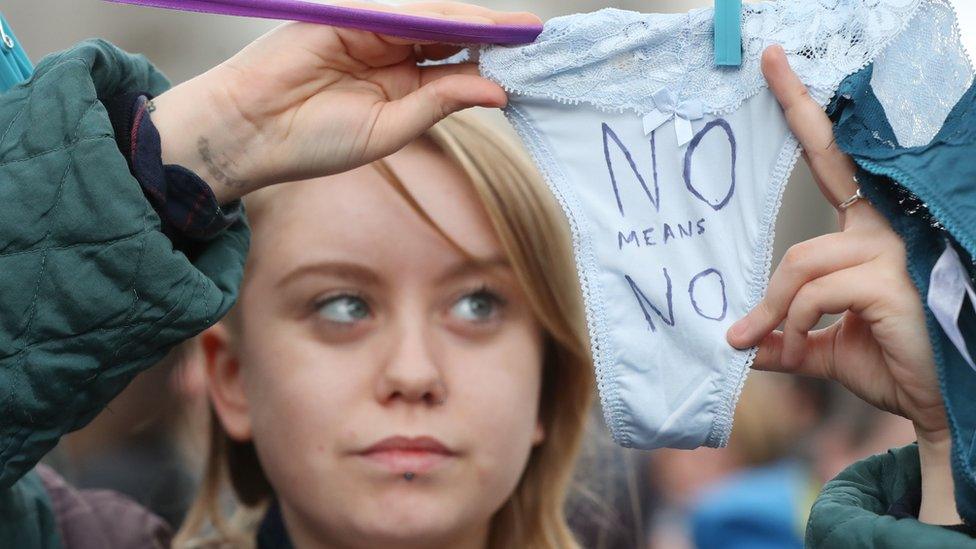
(790, 434)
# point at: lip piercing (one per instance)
(409, 476)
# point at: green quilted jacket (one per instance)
(850, 511)
(91, 291)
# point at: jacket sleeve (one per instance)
(91, 291)
(851, 511)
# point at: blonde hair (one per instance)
(535, 238)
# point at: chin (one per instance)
(410, 517)
(405, 529)
(410, 535)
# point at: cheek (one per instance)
(296, 390)
(497, 391)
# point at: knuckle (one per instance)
(797, 258)
(806, 297)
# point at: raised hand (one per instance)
(879, 349)
(307, 100)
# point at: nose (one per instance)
(411, 373)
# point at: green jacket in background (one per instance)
(851, 510)
(91, 291)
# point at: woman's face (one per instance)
(389, 382)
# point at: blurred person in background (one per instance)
(852, 431)
(755, 492)
(797, 434)
(143, 444)
(610, 503)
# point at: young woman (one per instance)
(408, 357)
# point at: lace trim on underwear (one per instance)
(616, 59)
(761, 263)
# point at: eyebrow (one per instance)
(475, 265)
(364, 275)
(348, 271)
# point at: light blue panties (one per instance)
(671, 172)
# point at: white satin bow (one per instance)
(667, 107)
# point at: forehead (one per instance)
(358, 216)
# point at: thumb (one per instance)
(406, 118)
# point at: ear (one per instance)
(225, 383)
(539, 436)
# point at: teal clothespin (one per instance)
(728, 33)
(15, 67)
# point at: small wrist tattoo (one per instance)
(150, 106)
(216, 166)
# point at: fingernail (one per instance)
(738, 330)
(778, 48)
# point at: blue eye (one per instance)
(479, 306)
(344, 309)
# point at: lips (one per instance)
(400, 455)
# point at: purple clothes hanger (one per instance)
(394, 24)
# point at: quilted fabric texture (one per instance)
(850, 511)
(91, 292)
